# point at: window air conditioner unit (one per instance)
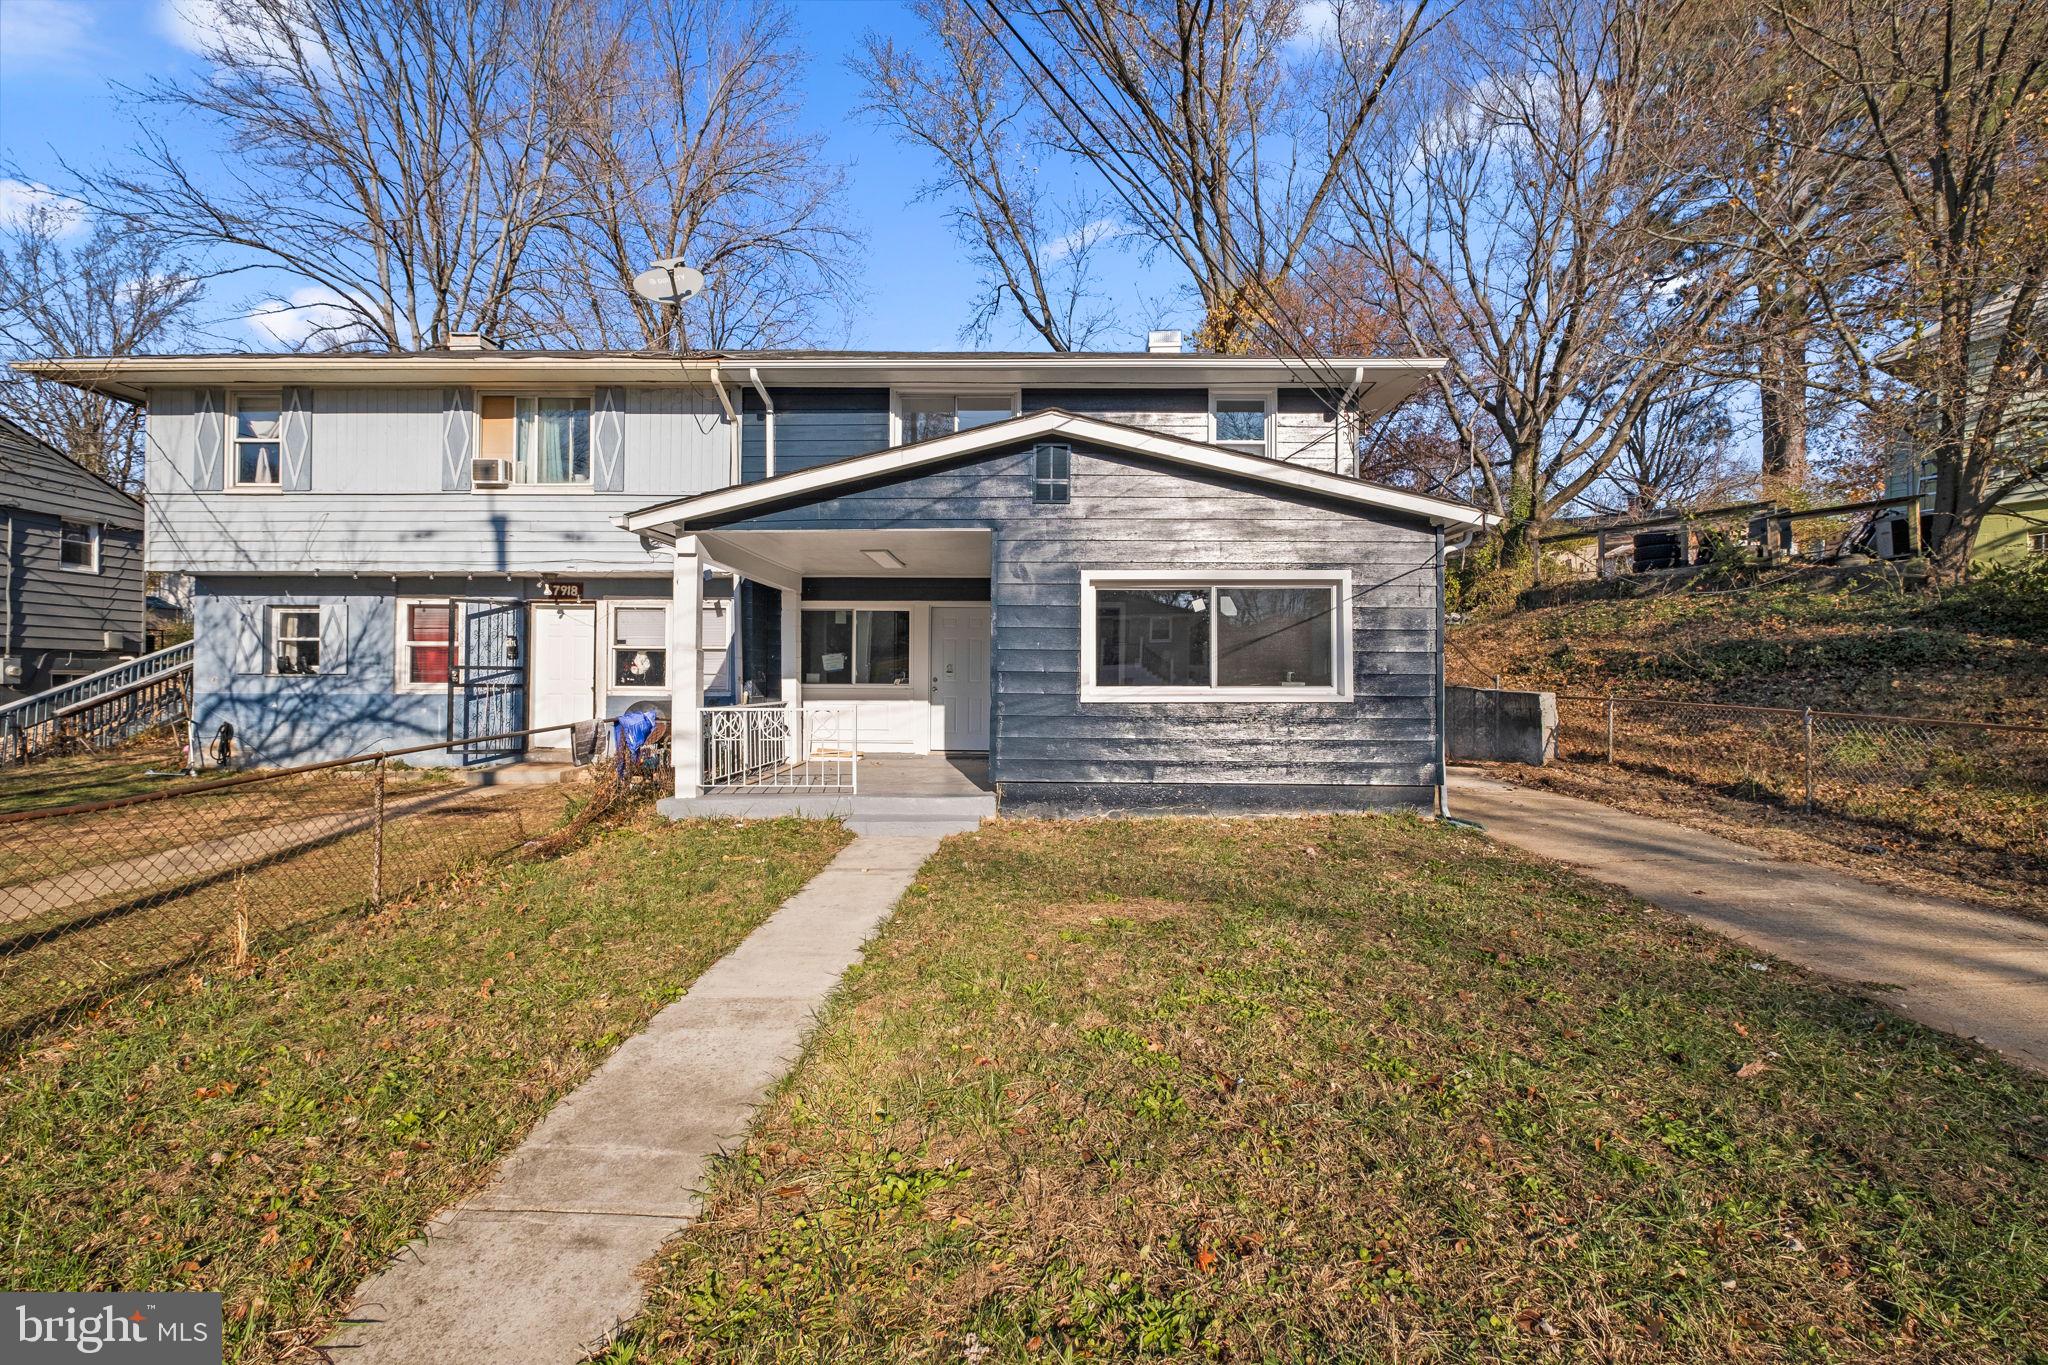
(490, 473)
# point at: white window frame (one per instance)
(919, 658)
(898, 396)
(92, 531)
(272, 638)
(1269, 397)
(2037, 542)
(587, 397)
(233, 480)
(402, 667)
(1338, 580)
(608, 645)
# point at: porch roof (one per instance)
(679, 516)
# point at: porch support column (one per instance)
(686, 669)
(792, 664)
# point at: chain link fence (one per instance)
(100, 896)
(1977, 783)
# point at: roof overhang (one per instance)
(681, 516)
(1375, 383)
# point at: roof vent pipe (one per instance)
(471, 341)
(1163, 343)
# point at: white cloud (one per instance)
(290, 322)
(21, 198)
(41, 32)
(189, 24)
(1081, 238)
(203, 27)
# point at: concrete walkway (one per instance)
(543, 1265)
(1957, 967)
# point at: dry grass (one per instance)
(276, 1130)
(1353, 1089)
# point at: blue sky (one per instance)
(59, 59)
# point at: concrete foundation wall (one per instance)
(1486, 726)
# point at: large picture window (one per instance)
(1264, 638)
(856, 646)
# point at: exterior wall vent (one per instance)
(490, 473)
(1163, 343)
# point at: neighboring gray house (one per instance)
(73, 598)
(1144, 581)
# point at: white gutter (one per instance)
(767, 422)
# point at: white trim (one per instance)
(919, 643)
(231, 454)
(534, 606)
(767, 423)
(609, 641)
(95, 543)
(1269, 397)
(1338, 580)
(897, 393)
(669, 516)
(401, 666)
(271, 638)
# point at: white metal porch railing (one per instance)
(775, 747)
(101, 708)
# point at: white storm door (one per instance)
(564, 672)
(960, 650)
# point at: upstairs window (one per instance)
(1242, 422)
(1178, 639)
(294, 641)
(640, 647)
(258, 447)
(546, 437)
(928, 415)
(856, 646)
(1052, 477)
(79, 547)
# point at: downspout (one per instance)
(731, 418)
(1443, 720)
(767, 421)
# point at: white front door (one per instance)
(563, 675)
(960, 649)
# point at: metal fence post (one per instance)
(1806, 726)
(1610, 727)
(377, 856)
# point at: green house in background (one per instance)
(2018, 526)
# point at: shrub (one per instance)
(2011, 599)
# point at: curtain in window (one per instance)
(554, 440)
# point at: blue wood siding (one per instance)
(1128, 513)
(813, 426)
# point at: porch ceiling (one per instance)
(837, 554)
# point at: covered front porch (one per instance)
(863, 669)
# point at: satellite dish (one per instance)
(669, 282)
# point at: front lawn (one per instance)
(1353, 1088)
(277, 1133)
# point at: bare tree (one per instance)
(970, 109)
(1521, 214)
(1678, 452)
(679, 140)
(1945, 101)
(116, 293)
(398, 155)
(1214, 132)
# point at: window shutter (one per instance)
(456, 447)
(333, 637)
(252, 623)
(608, 442)
(209, 439)
(295, 438)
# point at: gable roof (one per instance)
(822, 481)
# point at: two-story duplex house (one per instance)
(1138, 581)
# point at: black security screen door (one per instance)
(487, 684)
